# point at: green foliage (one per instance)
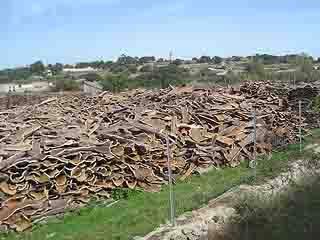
(205, 59)
(56, 69)
(124, 59)
(115, 83)
(146, 68)
(94, 64)
(298, 75)
(92, 77)
(316, 104)
(159, 78)
(217, 59)
(304, 63)
(306, 67)
(147, 59)
(124, 193)
(233, 78)
(290, 215)
(165, 76)
(66, 84)
(132, 68)
(9, 75)
(177, 62)
(116, 68)
(37, 67)
(267, 59)
(256, 68)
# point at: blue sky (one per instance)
(70, 31)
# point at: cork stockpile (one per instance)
(13, 100)
(57, 155)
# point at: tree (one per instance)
(304, 63)
(236, 58)
(57, 68)
(256, 68)
(92, 77)
(107, 65)
(124, 59)
(177, 62)
(82, 65)
(98, 64)
(195, 59)
(37, 67)
(146, 68)
(147, 59)
(115, 83)
(9, 75)
(306, 67)
(66, 84)
(217, 59)
(132, 68)
(118, 68)
(68, 66)
(205, 59)
(161, 77)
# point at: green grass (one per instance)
(141, 212)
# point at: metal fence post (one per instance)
(255, 140)
(171, 198)
(300, 131)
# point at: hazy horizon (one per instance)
(70, 31)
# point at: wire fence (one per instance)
(279, 142)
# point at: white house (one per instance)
(78, 70)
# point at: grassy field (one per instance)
(140, 213)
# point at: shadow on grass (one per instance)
(294, 215)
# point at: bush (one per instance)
(169, 75)
(115, 83)
(116, 68)
(159, 78)
(63, 84)
(256, 68)
(316, 104)
(146, 68)
(132, 68)
(92, 77)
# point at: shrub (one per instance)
(115, 83)
(63, 84)
(92, 77)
